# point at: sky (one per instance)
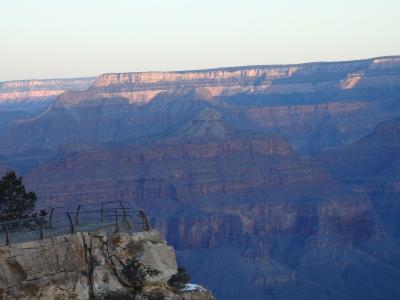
(76, 38)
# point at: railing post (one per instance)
(146, 226)
(129, 223)
(40, 228)
(116, 221)
(123, 212)
(102, 213)
(77, 215)
(71, 222)
(51, 218)
(6, 231)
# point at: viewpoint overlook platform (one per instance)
(90, 251)
(111, 217)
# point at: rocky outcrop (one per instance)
(90, 266)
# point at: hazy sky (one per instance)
(55, 38)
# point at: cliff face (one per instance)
(266, 212)
(253, 75)
(89, 266)
(254, 80)
(372, 166)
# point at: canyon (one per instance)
(273, 182)
(23, 99)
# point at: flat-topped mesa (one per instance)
(206, 76)
(392, 60)
(39, 84)
(240, 75)
(37, 90)
(142, 87)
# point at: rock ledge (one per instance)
(89, 266)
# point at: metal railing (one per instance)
(54, 221)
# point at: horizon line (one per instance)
(397, 56)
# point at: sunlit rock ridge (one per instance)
(141, 87)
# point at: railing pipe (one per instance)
(146, 225)
(6, 232)
(102, 213)
(71, 223)
(40, 228)
(116, 222)
(77, 215)
(51, 218)
(123, 212)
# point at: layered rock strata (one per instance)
(39, 90)
(314, 105)
(258, 195)
(372, 166)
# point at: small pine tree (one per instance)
(15, 202)
(180, 279)
(137, 273)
